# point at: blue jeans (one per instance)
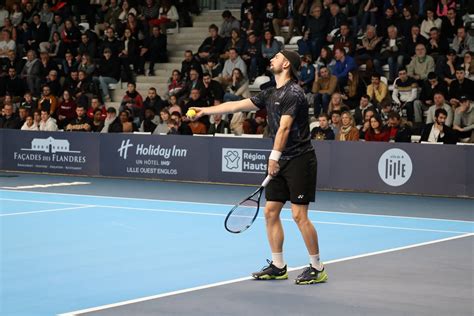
(231, 97)
(104, 85)
(394, 63)
(321, 103)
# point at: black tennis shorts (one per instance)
(296, 181)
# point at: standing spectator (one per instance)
(132, 102)
(364, 106)
(230, 23)
(392, 53)
(108, 72)
(377, 132)
(420, 64)
(219, 126)
(439, 103)
(398, 132)
(213, 46)
(437, 131)
(31, 72)
(377, 90)
(81, 123)
(348, 131)
(323, 88)
(405, 92)
(463, 42)
(48, 102)
(155, 50)
(343, 65)
(9, 120)
(461, 86)
(323, 131)
(47, 123)
(66, 111)
(464, 120)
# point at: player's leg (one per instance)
(274, 227)
(306, 227)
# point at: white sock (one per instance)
(315, 263)
(277, 260)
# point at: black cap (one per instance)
(463, 98)
(295, 62)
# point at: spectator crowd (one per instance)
(373, 70)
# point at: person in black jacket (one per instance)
(190, 62)
(213, 46)
(87, 46)
(128, 55)
(10, 120)
(39, 32)
(399, 133)
(108, 72)
(14, 86)
(438, 132)
(317, 24)
(110, 42)
(155, 50)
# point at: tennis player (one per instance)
(292, 164)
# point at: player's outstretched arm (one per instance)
(228, 107)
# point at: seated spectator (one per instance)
(251, 25)
(450, 25)
(162, 126)
(95, 105)
(66, 111)
(195, 100)
(421, 64)
(377, 90)
(71, 36)
(443, 7)
(175, 83)
(28, 102)
(108, 72)
(354, 90)
(268, 15)
(405, 92)
(335, 121)
(150, 121)
(197, 127)
(212, 90)
(154, 50)
(31, 72)
(270, 47)
(189, 63)
(47, 123)
(235, 41)
(46, 65)
(22, 114)
(429, 22)
(125, 120)
(446, 67)
(430, 86)
(407, 21)
(173, 105)
(364, 127)
(97, 123)
(336, 19)
(39, 33)
(323, 131)
(213, 46)
(439, 103)
(87, 65)
(46, 15)
(368, 48)
(229, 24)
(284, 17)
(182, 128)
(392, 53)
(132, 102)
(81, 123)
(463, 42)
(6, 44)
(233, 62)
(377, 132)
(192, 83)
(398, 131)
(459, 87)
(14, 86)
(345, 39)
(213, 67)
(343, 65)
(468, 65)
(307, 74)
(219, 125)
(12, 61)
(112, 123)
(323, 88)
(437, 46)
(55, 48)
(255, 125)
(252, 55)
(87, 46)
(317, 23)
(69, 64)
(347, 131)
(52, 80)
(359, 112)
(168, 16)
(153, 100)
(413, 40)
(325, 59)
(29, 124)
(48, 101)
(9, 120)
(239, 87)
(463, 123)
(110, 42)
(86, 89)
(304, 44)
(437, 131)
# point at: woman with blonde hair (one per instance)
(348, 131)
(336, 103)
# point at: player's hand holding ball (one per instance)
(194, 113)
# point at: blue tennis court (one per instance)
(63, 252)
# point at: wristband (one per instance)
(275, 155)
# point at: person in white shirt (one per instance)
(29, 124)
(6, 44)
(47, 123)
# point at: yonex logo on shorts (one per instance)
(300, 196)
(395, 167)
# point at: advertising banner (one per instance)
(159, 157)
(54, 152)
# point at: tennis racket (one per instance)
(244, 214)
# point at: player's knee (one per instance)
(300, 218)
(271, 214)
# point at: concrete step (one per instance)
(195, 30)
(186, 41)
(205, 23)
(182, 47)
(158, 79)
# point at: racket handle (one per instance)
(267, 179)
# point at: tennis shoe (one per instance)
(311, 275)
(271, 272)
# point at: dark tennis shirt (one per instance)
(287, 100)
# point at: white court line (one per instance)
(231, 205)
(47, 185)
(47, 211)
(153, 297)
(155, 210)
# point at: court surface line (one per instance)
(212, 285)
(157, 210)
(46, 185)
(47, 211)
(231, 205)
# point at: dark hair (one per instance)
(376, 75)
(324, 115)
(226, 14)
(379, 120)
(440, 111)
(80, 106)
(403, 68)
(176, 113)
(213, 27)
(439, 92)
(434, 29)
(111, 109)
(393, 114)
(365, 96)
(336, 112)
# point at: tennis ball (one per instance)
(190, 113)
